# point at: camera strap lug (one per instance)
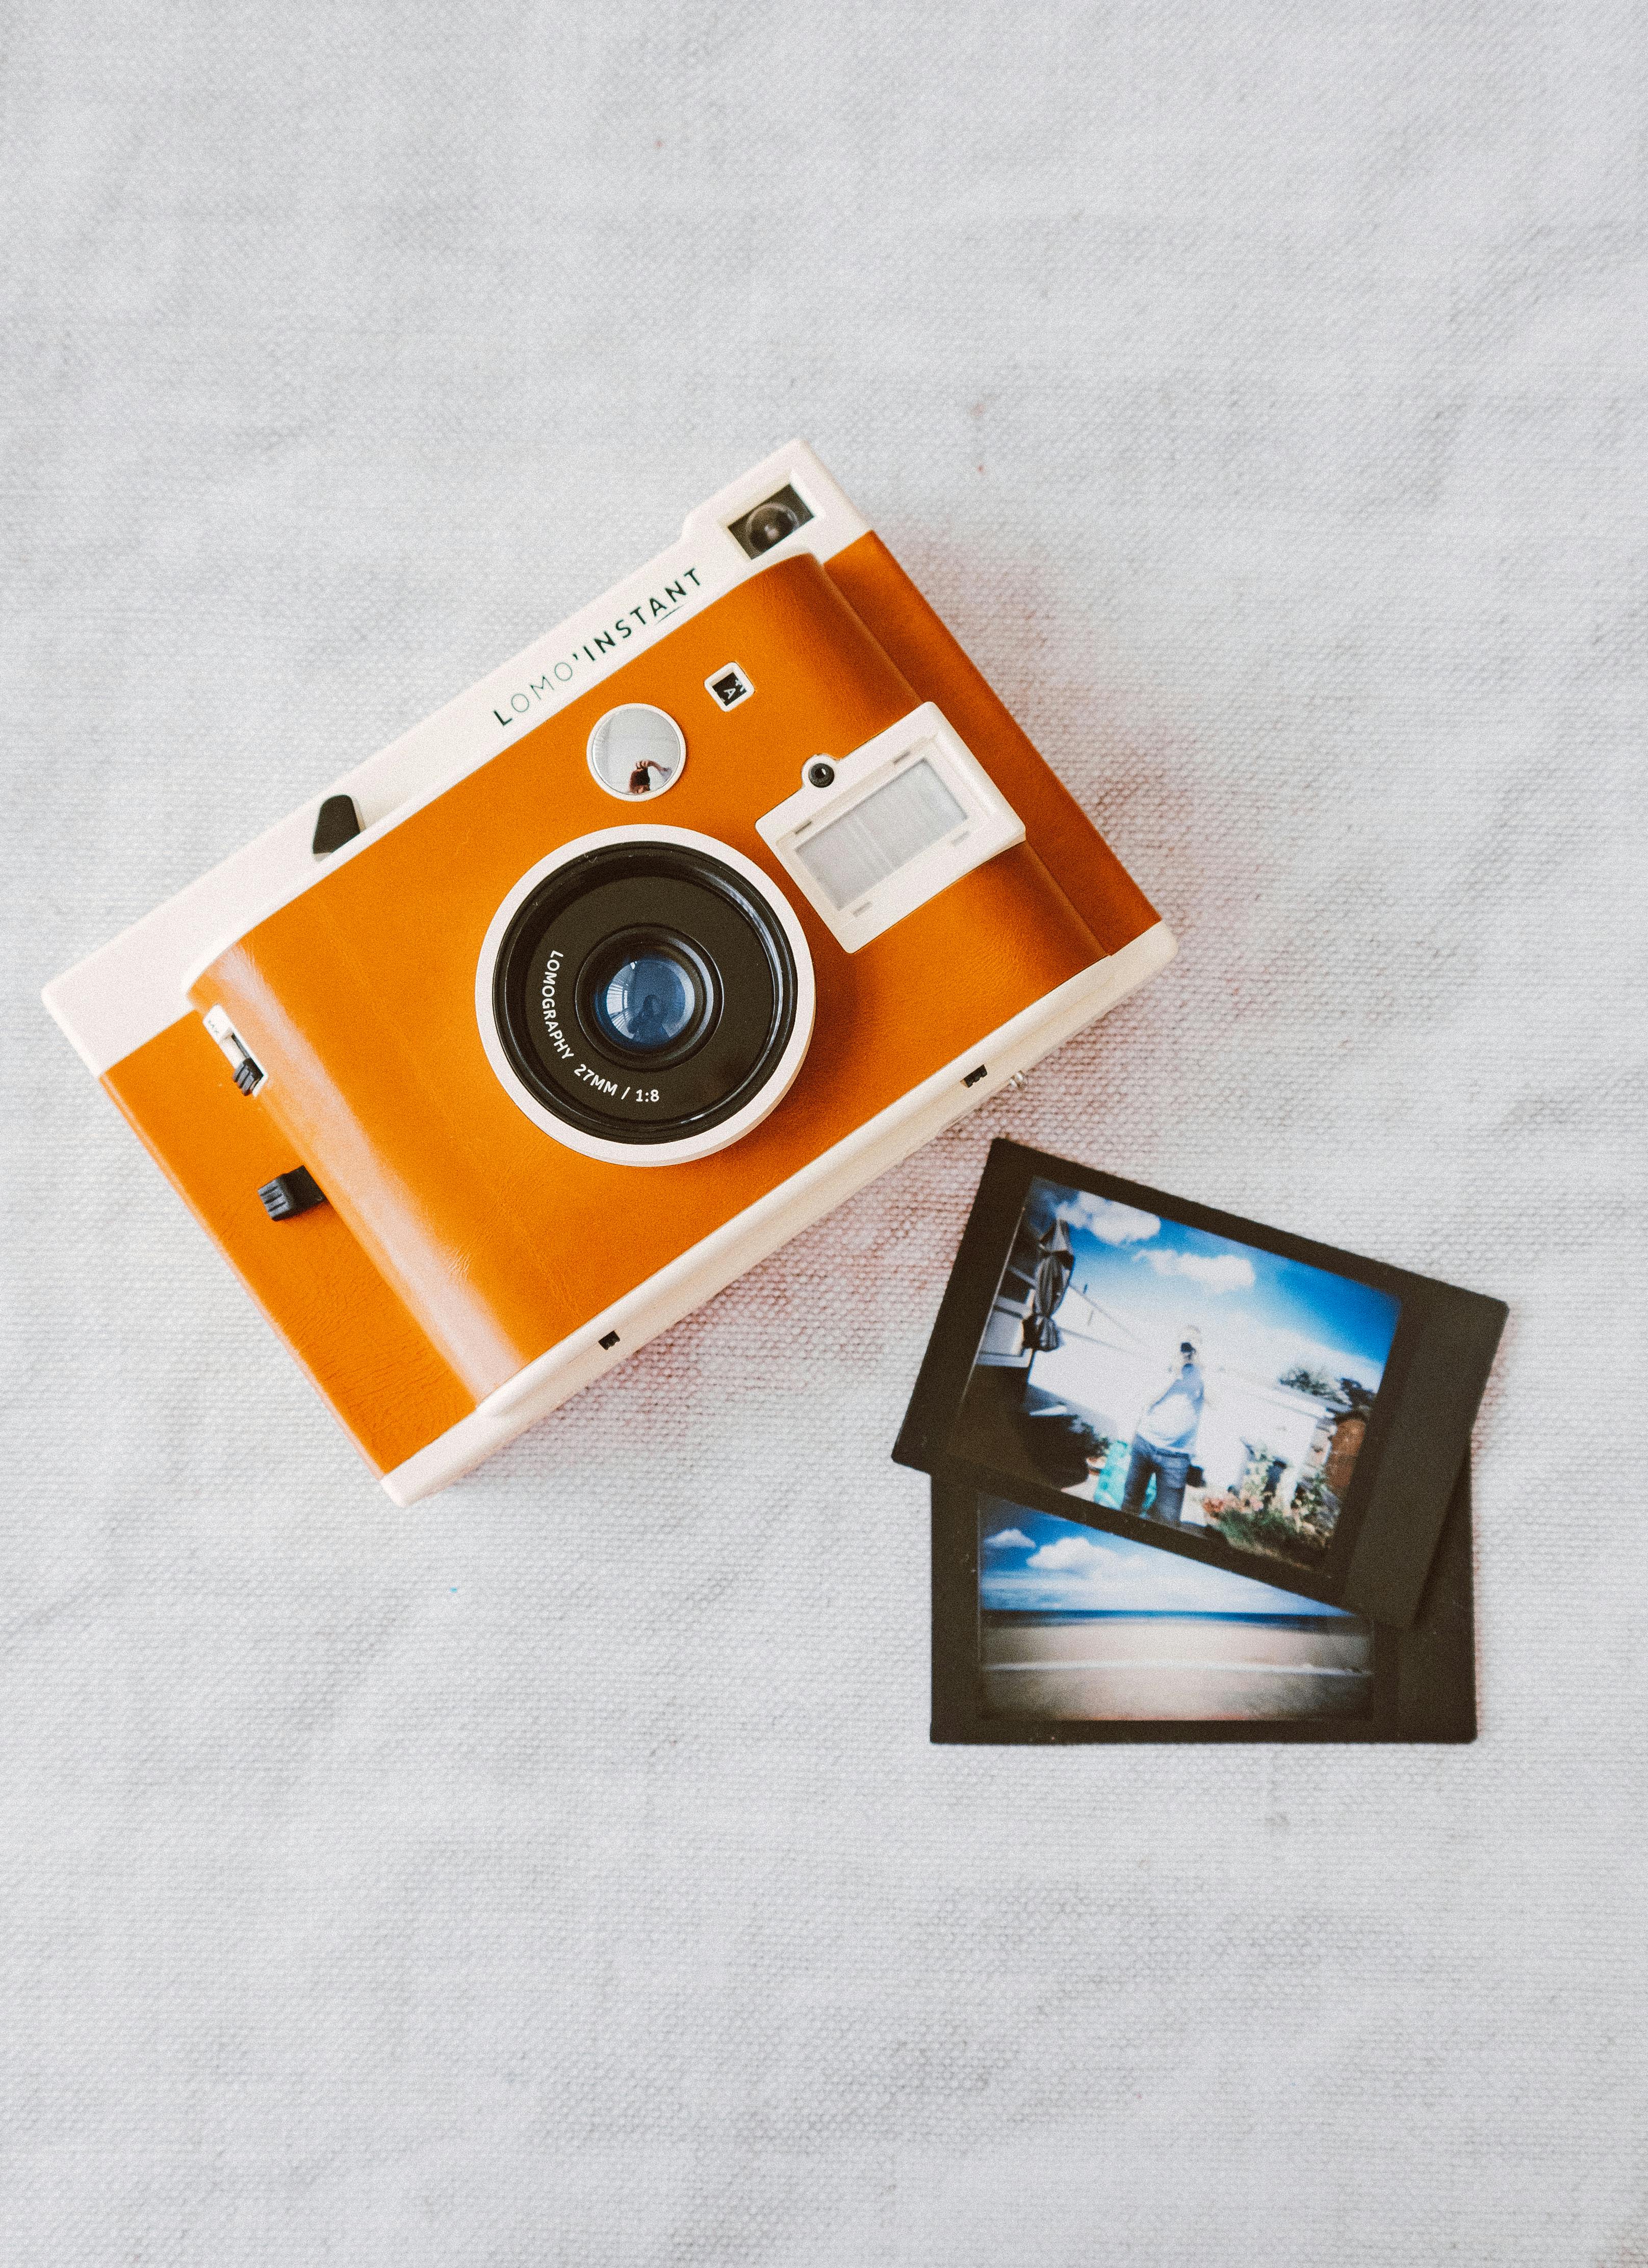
(249, 1074)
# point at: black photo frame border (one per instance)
(1418, 1431)
(1424, 1677)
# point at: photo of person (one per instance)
(1075, 1626)
(1164, 1440)
(1177, 1376)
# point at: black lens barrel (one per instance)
(616, 1066)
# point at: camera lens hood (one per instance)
(645, 995)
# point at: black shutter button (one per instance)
(338, 823)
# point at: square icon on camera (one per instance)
(728, 686)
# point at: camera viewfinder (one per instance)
(769, 521)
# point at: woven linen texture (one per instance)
(559, 1873)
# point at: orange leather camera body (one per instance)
(592, 991)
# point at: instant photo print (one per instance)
(1047, 1633)
(598, 985)
(1231, 1394)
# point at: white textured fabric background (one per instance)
(559, 1873)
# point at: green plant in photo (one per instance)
(1263, 1528)
(1315, 1506)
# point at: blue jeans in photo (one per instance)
(1168, 1466)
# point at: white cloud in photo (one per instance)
(1110, 1223)
(1095, 1574)
(1104, 1575)
(1006, 1539)
(1092, 1572)
(1224, 1271)
(1074, 1555)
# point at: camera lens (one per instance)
(820, 773)
(645, 993)
(646, 1006)
(769, 523)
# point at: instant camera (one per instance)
(587, 993)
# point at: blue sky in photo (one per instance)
(1256, 1310)
(1034, 1561)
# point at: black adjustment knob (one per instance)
(338, 823)
(289, 1194)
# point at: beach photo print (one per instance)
(1076, 1626)
(1047, 1632)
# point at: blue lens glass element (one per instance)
(647, 1004)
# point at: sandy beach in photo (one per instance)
(1161, 1666)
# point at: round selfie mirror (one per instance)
(637, 752)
